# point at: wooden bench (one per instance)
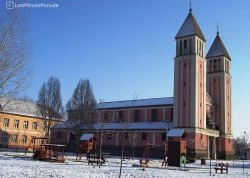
(221, 166)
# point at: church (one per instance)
(201, 105)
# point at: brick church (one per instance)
(201, 105)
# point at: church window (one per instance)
(109, 136)
(197, 46)
(137, 115)
(202, 50)
(180, 48)
(106, 116)
(185, 44)
(144, 136)
(163, 136)
(154, 115)
(121, 116)
(219, 68)
(190, 46)
(215, 65)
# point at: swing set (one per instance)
(145, 158)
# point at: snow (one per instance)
(13, 166)
(176, 132)
(136, 103)
(85, 137)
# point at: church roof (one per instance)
(218, 49)
(136, 103)
(190, 27)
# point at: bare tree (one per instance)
(14, 53)
(50, 104)
(81, 109)
(125, 135)
(241, 145)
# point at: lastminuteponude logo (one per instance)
(12, 5)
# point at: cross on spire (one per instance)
(190, 6)
(217, 29)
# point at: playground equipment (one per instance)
(87, 143)
(50, 152)
(145, 158)
(34, 145)
(94, 157)
(177, 147)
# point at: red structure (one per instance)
(50, 152)
(87, 143)
(176, 147)
(145, 158)
(34, 145)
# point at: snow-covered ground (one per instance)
(12, 165)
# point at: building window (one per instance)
(106, 116)
(144, 136)
(126, 135)
(34, 125)
(26, 124)
(197, 46)
(24, 139)
(109, 136)
(14, 138)
(190, 46)
(154, 115)
(4, 137)
(43, 125)
(184, 65)
(180, 48)
(6, 122)
(16, 124)
(137, 115)
(215, 65)
(163, 136)
(121, 116)
(185, 44)
(58, 134)
(171, 114)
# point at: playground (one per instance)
(13, 165)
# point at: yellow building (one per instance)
(19, 122)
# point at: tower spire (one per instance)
(217, 27)
(190, 6)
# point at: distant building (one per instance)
(201, 104)
(19, 122)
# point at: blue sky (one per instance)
(127, 47)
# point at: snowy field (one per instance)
(13, 166)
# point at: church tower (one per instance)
(220, 90)
(190, 76)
